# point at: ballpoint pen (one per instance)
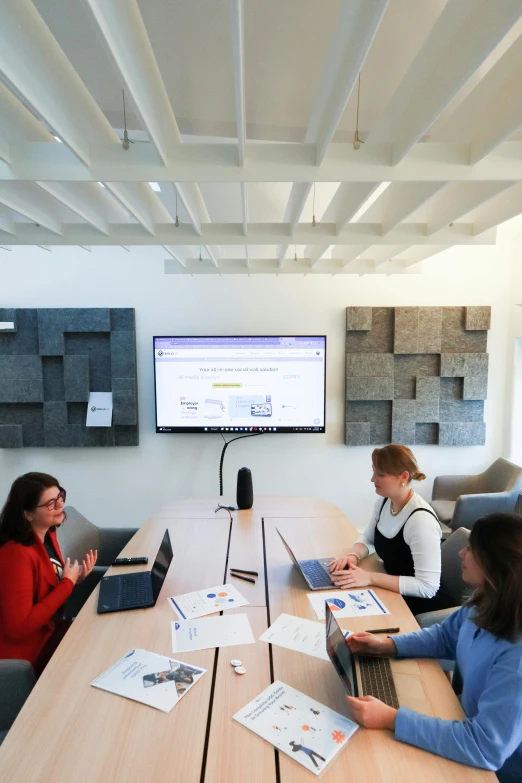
(383, 630)
(243, 571)
(245, 578)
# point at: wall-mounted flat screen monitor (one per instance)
(240, 384)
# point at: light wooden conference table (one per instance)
(70, 731)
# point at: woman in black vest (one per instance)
(405, 533)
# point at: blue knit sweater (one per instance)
(490, 736)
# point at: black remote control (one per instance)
(123, 561)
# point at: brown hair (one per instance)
(24, 495)
(394, 459)
(496, 544)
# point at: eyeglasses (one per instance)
(51, 504)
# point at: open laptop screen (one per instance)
(161, 565)
(339, 653)
(292, 556)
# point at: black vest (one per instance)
(398, 561)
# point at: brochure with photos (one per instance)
(297, 725)
(149, 678)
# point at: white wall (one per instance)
(122, 486)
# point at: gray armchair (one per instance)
(459, 501)
(76, 537)
(451, 579)
(16, 682)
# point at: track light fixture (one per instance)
(295, 252)
(356, 140)
(314, 222)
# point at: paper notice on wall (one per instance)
(99, 409)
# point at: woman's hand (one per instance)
(354, 577)
(71, 570)
(365, 643)
(88, 564)
(341, 563)
(372, 713)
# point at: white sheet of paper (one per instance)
(99, 409)
(296, 633)
(297, 725)
(149, 678)
(347, 603)
(203, 602)
(208, 632)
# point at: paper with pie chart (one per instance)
(204, 633)
(203, 602)
(347, 603)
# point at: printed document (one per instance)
(347, 603)
(202, 602)
(221, 631)
(296, 633)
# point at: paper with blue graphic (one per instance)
(203, 602)
(297, 725)
(152, 679)
(348, 603)
(208, 632)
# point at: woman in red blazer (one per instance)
(35, 582)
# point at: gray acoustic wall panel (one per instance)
(416, 375)
(51, 361)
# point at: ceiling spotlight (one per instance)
(177, 218)
(295, 252)
(314, 222)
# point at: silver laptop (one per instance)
(314, 572)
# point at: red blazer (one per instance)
(29, 597)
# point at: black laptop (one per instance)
(315, 572)
(139, 590)
(361, 675)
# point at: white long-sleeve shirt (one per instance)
(422, 533)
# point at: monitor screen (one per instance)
(339, 652)
(240, 384)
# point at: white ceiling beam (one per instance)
(414, 254)
(346, 202)
(5, 151)
(354, 33)
(83, 203)
(7, 225)
(426, 162)
(236, 17)
(247, 256)
(244, 206)
(465, 33)
(130, 234)
(55, 92)
(503, 207)
(123, 29)
(174, 253)
(212, 254)
(6, 247)
(500, 91)
(458, 199)
(24, 199)
(399, 201)
(294, 208)
(268, 266)
(353, 36)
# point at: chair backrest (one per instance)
(16, 682)
(501, 476)
(77, 535)
(451, 571)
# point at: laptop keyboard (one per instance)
(315, 573)
(377, 679)
(135, 590)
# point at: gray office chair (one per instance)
(459, 501)
(76, 537)
(16, 682)
(451, 578)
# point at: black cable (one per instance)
(227, 443)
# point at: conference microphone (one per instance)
(245, 490)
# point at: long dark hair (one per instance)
(496, 544)
(24, 495)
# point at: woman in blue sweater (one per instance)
(484, 637)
